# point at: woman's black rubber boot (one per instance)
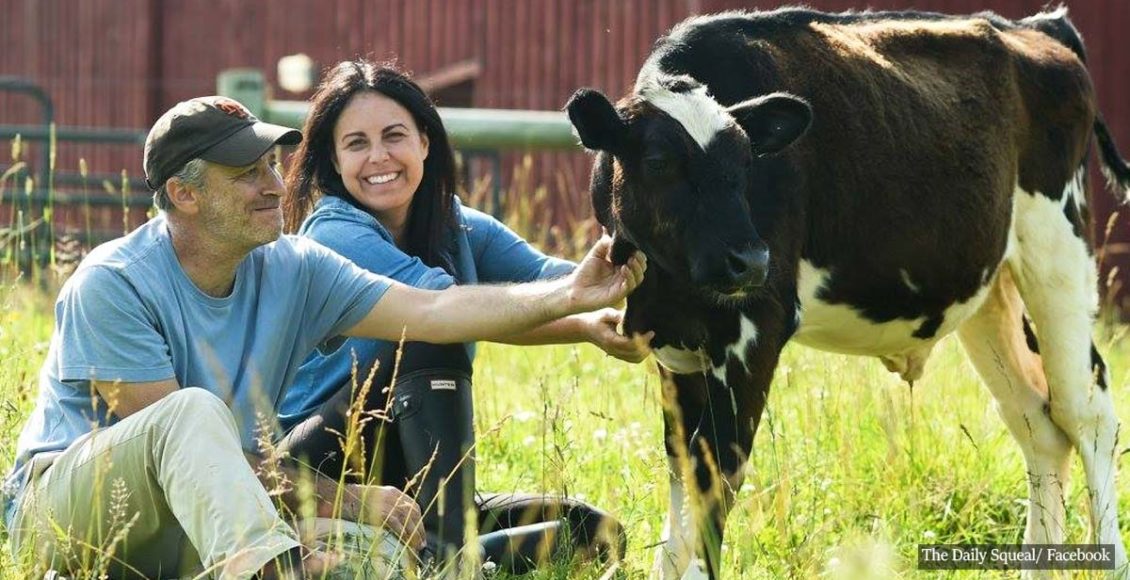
(433, 412)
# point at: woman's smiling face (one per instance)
(380, 152)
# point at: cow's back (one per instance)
(923, 127)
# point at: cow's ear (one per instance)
(600, 185)
(596, 121)
(773, 121)
(622, 250)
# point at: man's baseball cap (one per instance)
(216, 129)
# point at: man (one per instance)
(171, 350)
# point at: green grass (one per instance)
(851, 469)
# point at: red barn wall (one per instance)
(120, 63)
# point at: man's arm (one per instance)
(468, 313)
(125, 399)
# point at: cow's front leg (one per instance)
(680, 421)
(710, 421)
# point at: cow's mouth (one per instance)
(728, 296)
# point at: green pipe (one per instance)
(94, 200)
(26, 86)
(78, 134)
(471, 128)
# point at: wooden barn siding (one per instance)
(93, 58)
(119, 63)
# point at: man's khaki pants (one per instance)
(165, 492)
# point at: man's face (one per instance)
(240, 205)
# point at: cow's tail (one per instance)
(1114, 167)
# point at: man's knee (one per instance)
(194, 408)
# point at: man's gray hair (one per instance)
(192, 174)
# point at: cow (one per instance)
(863, 183)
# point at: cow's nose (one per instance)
(748, 266)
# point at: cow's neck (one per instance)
(679, 316)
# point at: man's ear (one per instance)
(596, 121)
(773, 121)
(184, 198)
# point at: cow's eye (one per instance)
(660, 164)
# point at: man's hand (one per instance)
(600, 328)
(387, 507)
(597, 282)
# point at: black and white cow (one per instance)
(863, 183)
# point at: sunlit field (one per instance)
(851, 469)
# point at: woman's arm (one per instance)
(599, 328)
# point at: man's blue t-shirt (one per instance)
(130, 313)
(486, 252)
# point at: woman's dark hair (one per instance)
(431, 218)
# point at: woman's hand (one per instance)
(601, 329)
(389, 508)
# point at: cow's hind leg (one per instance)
(995, 341)
(1057, 278)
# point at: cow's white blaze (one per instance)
(695, 110)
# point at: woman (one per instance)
(374, 179)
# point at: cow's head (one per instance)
(672, 176)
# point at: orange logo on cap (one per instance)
(232, 108)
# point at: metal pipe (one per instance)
(93, 180)
(471, 128)
(21, 85)
(76, 134)
(100, 199)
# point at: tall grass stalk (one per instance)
(85, 174)
(125, 202)
(49, 207)
(851, 470)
